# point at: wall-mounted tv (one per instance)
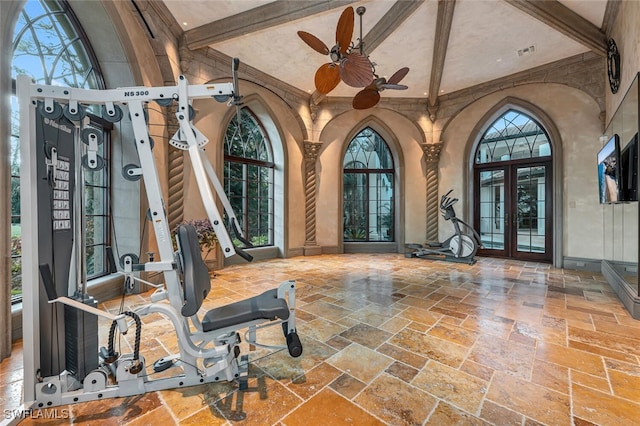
(609, 171)
(629, 170)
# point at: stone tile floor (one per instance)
(391, 340)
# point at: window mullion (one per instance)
(245, 201)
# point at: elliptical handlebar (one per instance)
(446, 201)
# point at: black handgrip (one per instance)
(236, 86)
(47, 280)
(294, 345)
(238, 235)
(111, 260)
(243, 254)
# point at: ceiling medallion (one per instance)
(613, 65)
(350, 64)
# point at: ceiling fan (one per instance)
(350, 64)
(346, 64)
(370, 95)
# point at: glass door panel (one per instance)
(491, 212)
(530, 204)
(355, 199)
(532, 207)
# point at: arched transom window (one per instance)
(248, 177)
(513, 136)
(368, 189)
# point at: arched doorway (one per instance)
(513, 189)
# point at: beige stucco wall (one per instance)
(286, 138)
(576, 117)
(404, 139)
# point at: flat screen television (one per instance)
(609, 171)
(629, 170)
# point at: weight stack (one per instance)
(81, 338)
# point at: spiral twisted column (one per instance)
(175, 204)
(432, 156)
(311, 151)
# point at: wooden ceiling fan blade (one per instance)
(356, 70)
(314, 42)
(394, 86)
(365, 99)
(327, 78)
(398, 75)
(344, 30)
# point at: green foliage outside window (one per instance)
(248, 177)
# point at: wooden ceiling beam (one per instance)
(443, 29)
(561, 18)
(260, 18)
(391, 20)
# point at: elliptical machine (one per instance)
(460, 247)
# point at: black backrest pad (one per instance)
(196, 281)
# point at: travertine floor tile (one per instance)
(398, 341)
(329, 408)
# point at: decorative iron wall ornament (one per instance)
(613, 65)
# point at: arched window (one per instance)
(368, 192)
(50, 46)
(513, 136)
(248, 177)
(513, 176)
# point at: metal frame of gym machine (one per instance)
(205, 356)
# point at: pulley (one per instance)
(132, 172)
(74, 111)
(51, 110)
(112, 113)
(129, 259)
(221, 98)
(164, 101)
(96, 380)
(93, 163)
(91, 134)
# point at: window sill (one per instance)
(258, 253)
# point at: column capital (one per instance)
(311, 150)
(432, 151)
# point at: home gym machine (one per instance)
(62, 362)
(460, 247)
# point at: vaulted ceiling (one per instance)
(449, 45)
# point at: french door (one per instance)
(513, 210)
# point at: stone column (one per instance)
(311, 151)
(432, 156)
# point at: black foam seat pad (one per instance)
(264, 306)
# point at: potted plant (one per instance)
(206, 238)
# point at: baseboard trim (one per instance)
(391, 247)
(626, 293)
(582, 264)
